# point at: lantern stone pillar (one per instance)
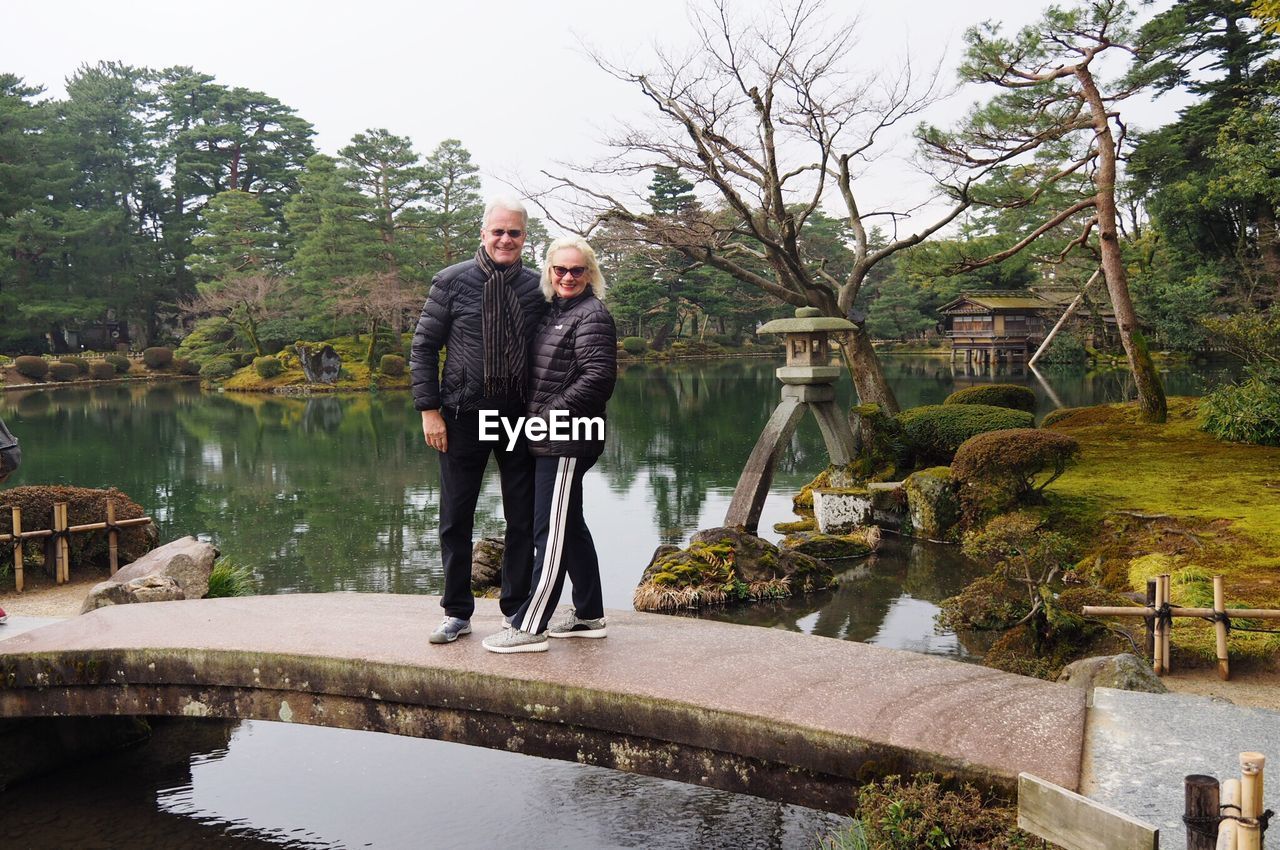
(808, 384)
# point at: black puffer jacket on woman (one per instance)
(574, 368)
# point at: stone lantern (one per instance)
(808, 384)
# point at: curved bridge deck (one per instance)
(761, 711)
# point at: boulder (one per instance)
(828, 547)
(186, 562)
(1125, 672)
(486, 565)
(840, 510)
(888, 503)
(726, 565)
(320, 366)
(152, 588)
(932, 506)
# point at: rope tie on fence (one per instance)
(64, 534)
(111, 526)
(1164, 615)
(1220, 617)
(1207, 825)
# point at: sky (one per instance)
(511, 80)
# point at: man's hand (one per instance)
(434, 431)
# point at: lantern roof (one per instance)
(807, 320)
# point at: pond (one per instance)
(339, 493)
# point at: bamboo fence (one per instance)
(58, 545)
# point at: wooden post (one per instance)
(1251, 765)
(1230, 805)
(1151, 622)
(1220, 627)
(62, 551)
(1201, 802)
(17, 547)
(1157, 656)
(113, 536)
(1166, 628)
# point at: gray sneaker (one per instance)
(508, 622)
(450, 629)
(570, 626)
(514, 640)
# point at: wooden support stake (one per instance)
(1230, 805)
(1151, 622)
(17, 546)
(66, 545)
(1157, 658)
(1168, 628)
(57, 543)
(1201, 802)
(113, 537)
(1251, 765)
(1220, 627)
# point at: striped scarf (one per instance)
(506, 359)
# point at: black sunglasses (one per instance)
(499, 232)
(574, 272)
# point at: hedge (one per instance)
(391, 364)
(267, 367)
(123, 364)
(84, 506)
(157, 357)
(634, 345)
(999, 469)
(63, 371)
(183, 366)
(101, 370)
(1012, 396)
(217, 369)
(31, 367)
(82, 365)
(934, 432)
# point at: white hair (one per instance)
(507, 203)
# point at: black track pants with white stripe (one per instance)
(562, 544)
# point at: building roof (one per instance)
(1011, 300)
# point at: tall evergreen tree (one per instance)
(452, 205)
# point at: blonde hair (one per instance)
(595, 280)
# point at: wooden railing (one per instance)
(59, 539)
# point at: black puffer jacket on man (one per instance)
(451, 319)
(574, 368)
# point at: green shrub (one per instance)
(924, 814)
(82, 365)
(217, 369)
(634, 345)
(391, 364)
(230, 579)
(1248, 412)
(157, 357)
(934, 432)
(63, 371)
(1066, 348)
(31, 367)
(267, 367)
(123, 364)
(183, 366)
(101, 370)
(241, 358)
(997, 470)
(1012, 396)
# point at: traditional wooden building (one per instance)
(992, 326)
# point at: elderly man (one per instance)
(482, 312)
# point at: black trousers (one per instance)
(563, 544)
(461, 476)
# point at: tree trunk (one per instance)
(868, 376)
(660, 337)
(1269, 248)
(1151, 398)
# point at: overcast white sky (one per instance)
(507, 78)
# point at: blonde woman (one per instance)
(573, 368)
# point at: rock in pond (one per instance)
(177, 570)
(932, 506)
(1125, 672)
(827, 547)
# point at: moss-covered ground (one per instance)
(1147, 499)
(355, 374)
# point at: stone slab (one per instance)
(1139, 747)
(839, 696)
(18, 625)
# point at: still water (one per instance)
(338, 493)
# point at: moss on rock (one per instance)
(828, 547)
(933, 509)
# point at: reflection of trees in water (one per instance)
(627, 806)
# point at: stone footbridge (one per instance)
(788, 716)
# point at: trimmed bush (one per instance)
(391, 364)
(1012, 396)
(183, 366)
(101, 370)
(63, 371)
(157, 357)
(123, 364)
(1023, 460)
(267, 367)
(634, 345)
(217, 369)
(1248, 412)
(1055, 416)
(31, 367)
(241, 358)
(82, 365)
(934, 432)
